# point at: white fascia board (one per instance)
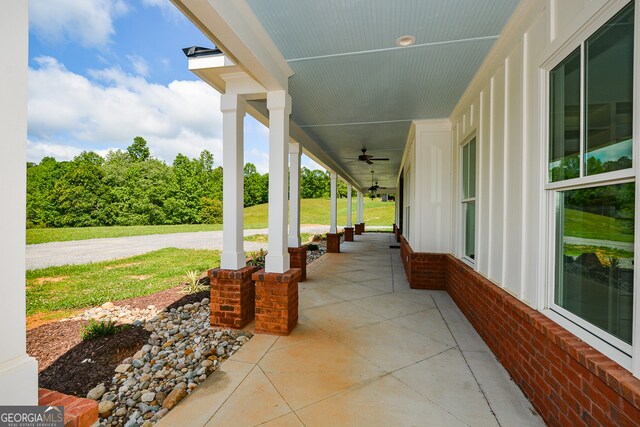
(235, 30)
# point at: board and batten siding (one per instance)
(502, 108)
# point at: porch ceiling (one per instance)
(354, 88)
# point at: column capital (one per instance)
(232, 102)
(279, 100)
(294, 147)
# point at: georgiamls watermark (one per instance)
(31, 416)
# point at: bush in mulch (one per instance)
(91, 362)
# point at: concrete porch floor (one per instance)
(368, 351)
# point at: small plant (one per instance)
(257, 258)
(194, 284)
(312, 247)
(317, 238)
(99, 329)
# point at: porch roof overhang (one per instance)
(351, 86)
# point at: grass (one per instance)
(44, 235)
(591, 226)
(64, 288)
(312, 211)
(264, 238)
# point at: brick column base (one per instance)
(276, 301)
(359, 229)
(333, 243)
(348, 234)
(78, 411)
(233, 296)
(298, 257)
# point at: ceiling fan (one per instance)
(368, 158)
(374, 187)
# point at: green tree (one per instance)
(256, 186)
(138, 151)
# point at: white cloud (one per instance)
(259, 158)
(166, 7)
(112, 107)
(87, 22)
(139, 65)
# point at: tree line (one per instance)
(134, 188)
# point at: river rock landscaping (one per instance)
(181, 352)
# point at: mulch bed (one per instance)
(60, 351)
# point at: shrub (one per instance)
(257, 258)
(99, 329)
(312, 247)
(194, 284)
(211, 212)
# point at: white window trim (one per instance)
(463, 201)
(591, 334)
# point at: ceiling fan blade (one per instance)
(369, 162)
(379, 159)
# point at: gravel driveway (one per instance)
(94, 250)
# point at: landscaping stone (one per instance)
(182, 350)
(105, 408)
(97, 392)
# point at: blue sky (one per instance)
(104, 71)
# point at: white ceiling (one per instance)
(354, 88)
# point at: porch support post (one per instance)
(360, 214)
(348, 230)
(18, 371)
(233, 111)
(333, 238)
(360, 209)
(295, 155)
(279, 106)
(334, 204)
(297, 253)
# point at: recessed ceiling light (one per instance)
(405, 41)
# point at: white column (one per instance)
(334, 203)
(233, 111)
(360, 209)
(279, 106)
(349, 208)
(295, 155)
(18, 371)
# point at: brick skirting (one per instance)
(276, 301)
(333, 243)
(78, 411)
(298, 259)
(568, 382)
(424, 270)
(348, 234)
(233, 296)
(359, 229)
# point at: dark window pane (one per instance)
(594, 269)
(470, 230)
(472, 168)
(564, 152)
(609, 95)
(465, 171)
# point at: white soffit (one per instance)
(352, 87)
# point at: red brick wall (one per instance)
(232, 297)
(299, 260)
(348, 234)
(333, 243)
(568, 382)
(276, 301)
(78, 411)
(424, 270)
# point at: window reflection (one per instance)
(595, 256)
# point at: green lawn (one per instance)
(590, 226)
(264, 238)
(312, 211)
(77, 286)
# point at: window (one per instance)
(593, 181)
(469, 199)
